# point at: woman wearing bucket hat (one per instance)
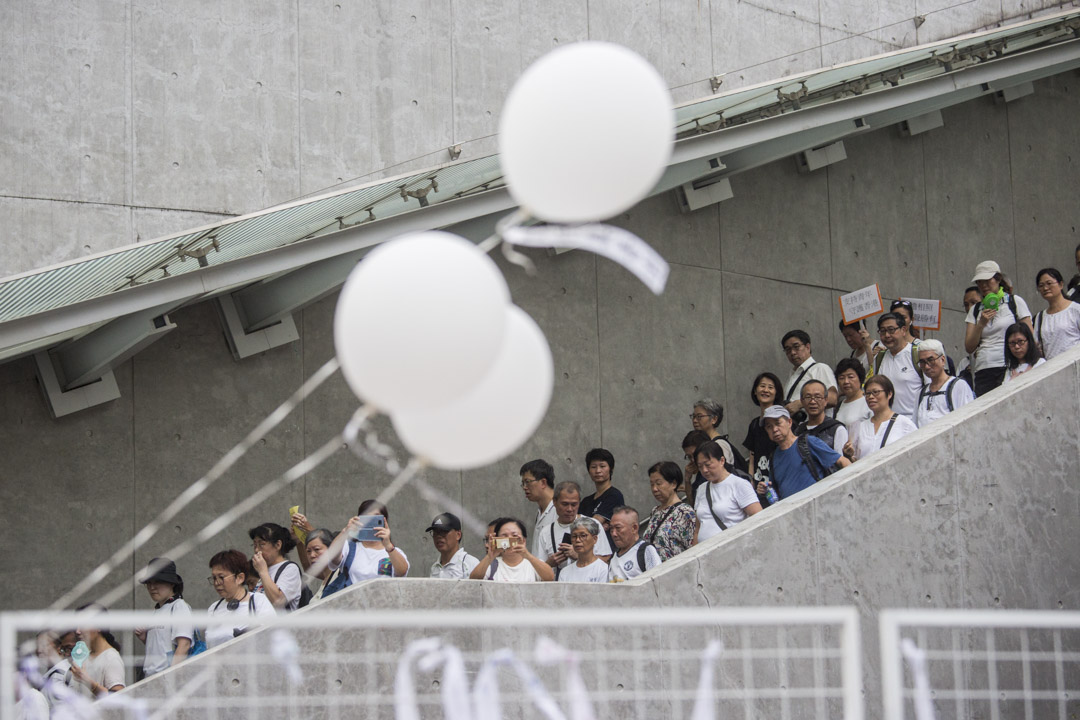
(170, 640)
(987, 322)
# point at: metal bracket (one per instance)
(244, 344)
(715, 82)
(455, 151)
(65, 402)
(421, 193)
(200, 253)
(793, 97)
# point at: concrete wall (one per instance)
(914, 214)
(125, 120)
(976, 511)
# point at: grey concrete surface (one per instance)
(975, 511)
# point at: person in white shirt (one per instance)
(1023, 354)
(103, 671)
(55, 649)
(632, 556)
(796, 344)
(941, 394)
(280, 579)
(228, 576)
(31, 704)
(358, 560)
(987, 323)
(453, 562)
(167, 643)
(851, 407)
(883, 428)
(898, 362)
(555, 546)
(508, 558)
(584, 532)
(1057, 328)
(538, 484)
(725, 499)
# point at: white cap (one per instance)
(775, 412)
(985, 270)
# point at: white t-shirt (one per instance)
(368, 563)
(839, 437)
(543, 519)
(991, 351)
(32, 705)
(852, 411)
(223, 633)
(625, 566)
(730, 496)
(817, 371)
(175, 623)
(866, 441)
(1059, 331)
(547, 548)
(905, 378)
(594, 572)
(1023, 368)
(290, 583)
(107, 669)
(522, 572)
(458, 568)
(935, 405)
(58, 674)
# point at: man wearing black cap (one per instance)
(453, 562)
(170, 640)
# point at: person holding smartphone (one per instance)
(508, 558)
(364, 550)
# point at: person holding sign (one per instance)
(899, 362)
(858, 339)
(796, 344)
(941, 394)
(987, 323)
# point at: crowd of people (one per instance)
(820, 419)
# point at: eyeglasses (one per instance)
(888, 330)
(65, 649)
(688, 458)
(927, 361)
(699, 416)
(525, 482)
(794, 347)
(1048, 285)
(874, 393)
(215, 579)
(813, 398)
(1019, 342)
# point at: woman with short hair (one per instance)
(850, 404)
(1057, 328)
(228, 577)
(318, 541)
(670, 526)
(584, 532)
(508, 558)
(884, 427)
(725, 499)
(1021, 352)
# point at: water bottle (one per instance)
(770, 493)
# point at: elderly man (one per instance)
(554, 541)
(538, 484)
(798, 462)
(831, 432)
(941, 394)
(453, 562)
(899, 362)
(796, 344)
(632, 556)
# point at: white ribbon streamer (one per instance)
(284, 649)
(617, 244)
(549, 652)
(704, 707)
(486, 702)
(455, 686)
(916, 660)
(404, 685)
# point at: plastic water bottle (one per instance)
(770, 493)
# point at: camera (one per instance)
(502, 543)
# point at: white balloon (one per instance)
(420, 321)
(496, 416)
(585, 133)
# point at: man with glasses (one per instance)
(941, 394)
(899, 363)
(829, 431)
(538, 484)
(56, 649)
(796, 344)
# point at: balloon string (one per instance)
(198, 487)
(518, 217)
(248, 504)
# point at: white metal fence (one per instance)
(648, 663)
(990, 664)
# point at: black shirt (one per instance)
(604, 505)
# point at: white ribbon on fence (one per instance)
(548, 652)
(916, 660)
(704, 707)
(486, 702)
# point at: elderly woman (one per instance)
(318, 542)
(941, 394)
(584, 533)
(987, 323)
(1021, 353)
(670, 527)
(280, 579)
(884, 427)
(103, 671)
(723, 501)
(851, 405)
(228, 576)
(1057, 328)
(508, 558)
(167, 643)
(706, 417)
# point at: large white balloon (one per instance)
(585, 133)
(498, 415)
(420, 321)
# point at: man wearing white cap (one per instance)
(941, 394)
(987, 323)
(798, 462)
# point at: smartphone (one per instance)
(502, 543)
(566, 538)
(368, 524)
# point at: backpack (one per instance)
(947, 392)
(825, 432)
(641, 549)
(305, 591)
(198, 642)
(880, 355)
(739, 462)
(341, 579)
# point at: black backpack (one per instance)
(305, 591)
(825, 432)
(739, 461)
(816, 470)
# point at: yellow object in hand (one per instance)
(301, 534)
